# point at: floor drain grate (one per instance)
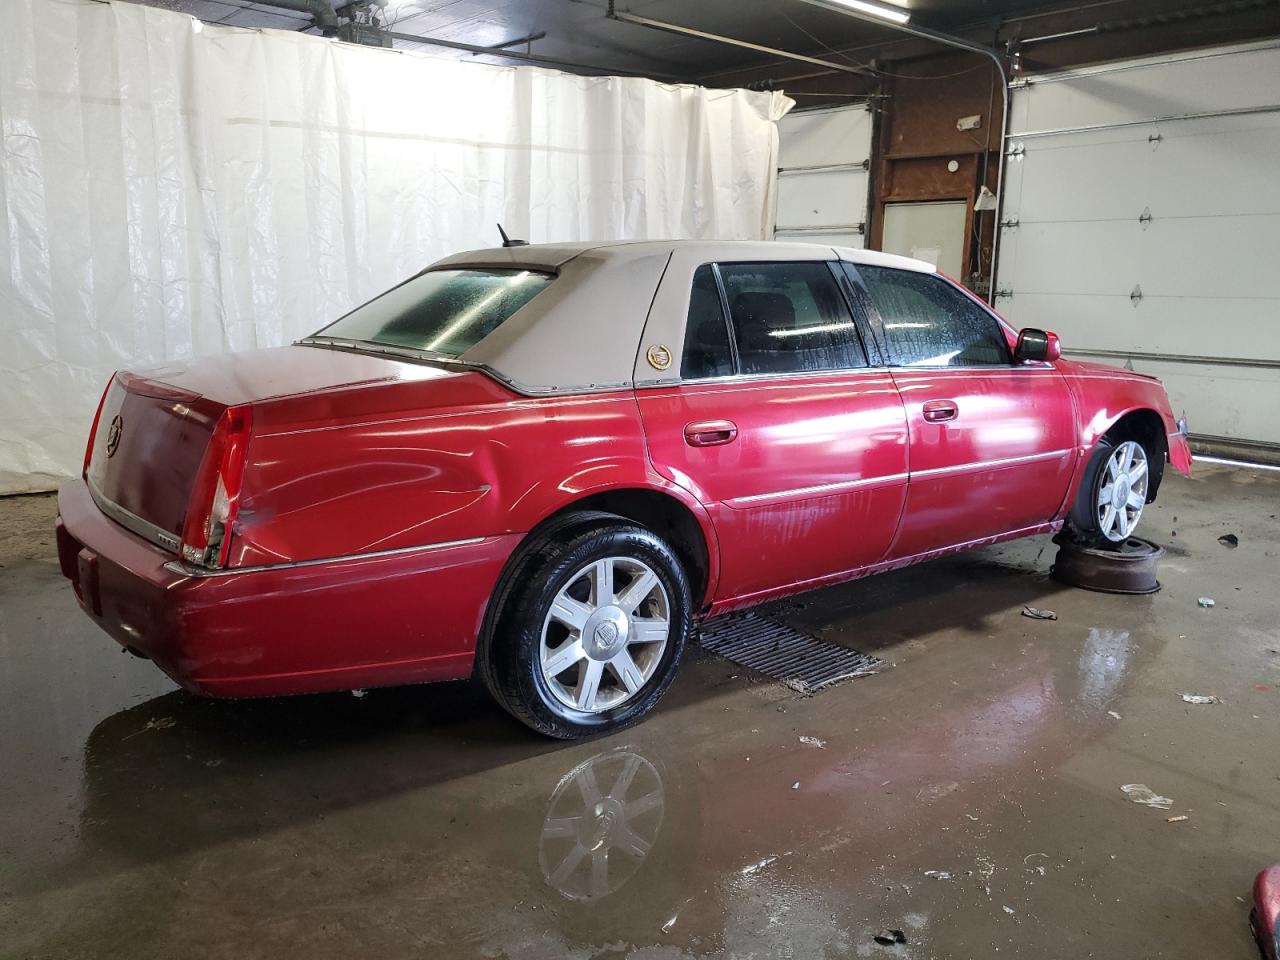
(803, 662)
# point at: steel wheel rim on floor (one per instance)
(604, 636)
(1123, 491)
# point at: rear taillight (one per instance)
(93, 431)
(215, 497)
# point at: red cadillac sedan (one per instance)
(545, 463)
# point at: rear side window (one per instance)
(706, 333)
(929, 323)
(441, 311)
(790, 317)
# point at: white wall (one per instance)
(172, 190)
(1193, 141)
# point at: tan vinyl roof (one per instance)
(583, 332)
(552, 255)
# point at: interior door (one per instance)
(777, 424)
(992, 443)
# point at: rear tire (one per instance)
(1114, 491)
(592, 625)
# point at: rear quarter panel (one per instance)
(332, 475)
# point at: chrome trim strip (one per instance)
(821, 490)
(1031, 367)
(990, 464)
(740, 378)
(868, 482)
(131, 521)
(186, 570)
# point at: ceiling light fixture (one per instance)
(874, 9)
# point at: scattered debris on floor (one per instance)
(757, 866)
(156, 723)
(936, 791)
(1008, 909)
(938, 874)
(1112, 713)
(1200, 698)
(1141, 793)
(1035, 613)
(796, 785)
(808, 689)
(359, 694)
(814, 742)
(887, 938)
(1205, 602)
(1229, 540)
(1177, 819)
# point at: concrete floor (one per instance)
(138, 822)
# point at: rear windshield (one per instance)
(443, 311)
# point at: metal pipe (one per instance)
(321, 12)
(961, 44)
(541, 34)
(526, 57)
(676, 28)
(1057, 36)
(1257, 362)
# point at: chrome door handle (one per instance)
(939, 411)
(710, 433)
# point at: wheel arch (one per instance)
(680, 520)
(1147, 427)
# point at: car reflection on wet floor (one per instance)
(602, 821)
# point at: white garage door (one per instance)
(1142, 220)
(823, 157)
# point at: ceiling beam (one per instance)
(683, 31)
(533, 58)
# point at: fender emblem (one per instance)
(659, 356)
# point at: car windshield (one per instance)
(441, 311)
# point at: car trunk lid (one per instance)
(147, 451)
(155, 427)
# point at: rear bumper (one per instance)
(372, 620)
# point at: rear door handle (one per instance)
(710, 433)
(938, 411)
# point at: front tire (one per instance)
(592, 628)
(1114, 491)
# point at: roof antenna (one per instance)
(508, 242)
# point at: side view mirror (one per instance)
(1036, 344)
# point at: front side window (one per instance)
(441, 311)
(790, 317)
(929, 323)
(706, 333)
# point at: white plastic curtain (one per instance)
(172, 190)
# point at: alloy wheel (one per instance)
(605, 634)
(1122, 492)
